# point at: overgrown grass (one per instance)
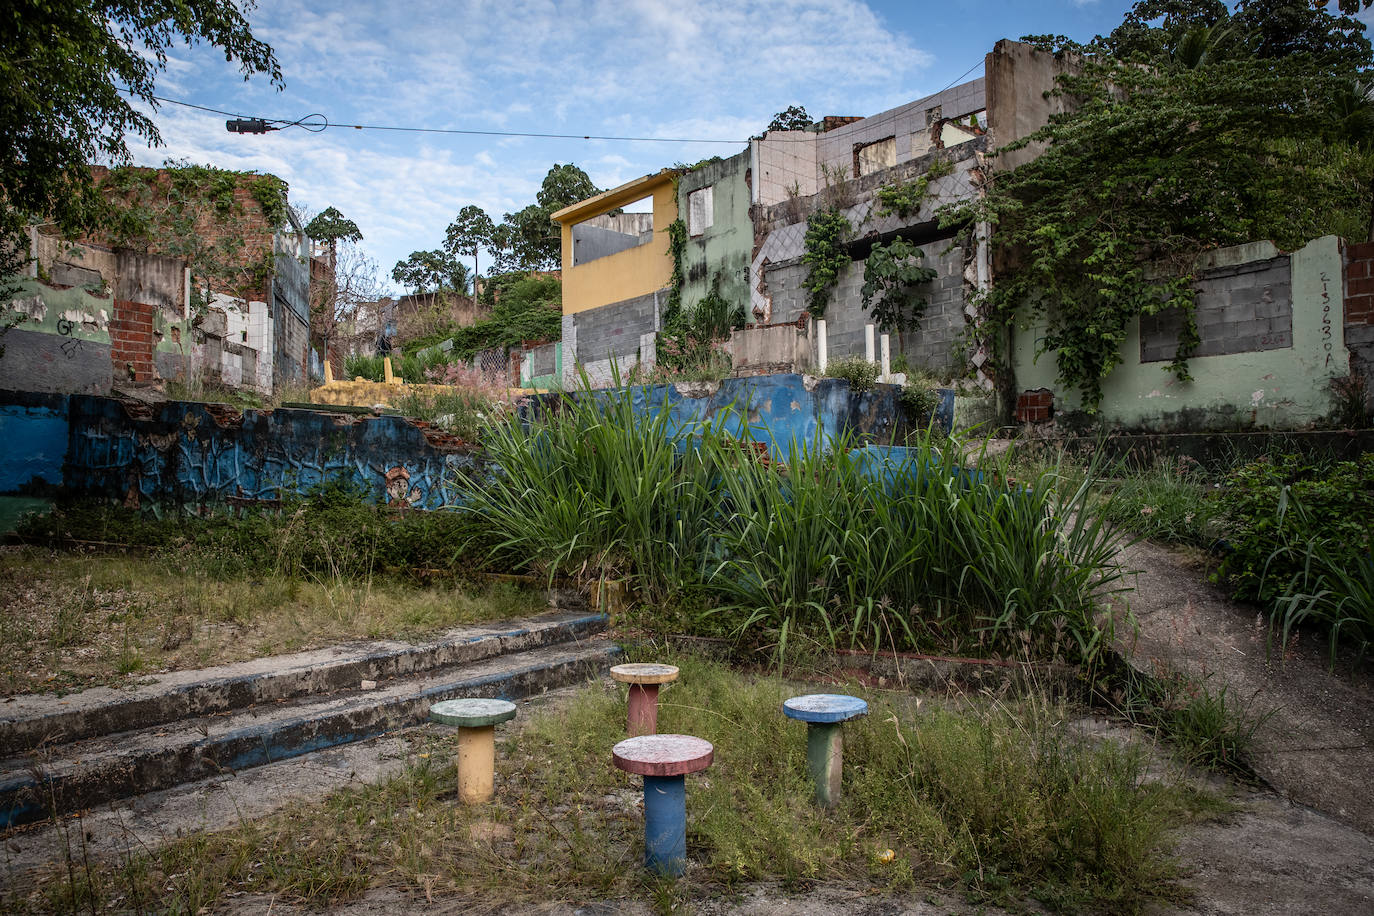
(78, 620)
(330, 532)
(1174, 502)
(205, 590)
(853, 547)
(1207, 727)
(1004, 802)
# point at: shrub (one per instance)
(1270, 539)
(857, 371)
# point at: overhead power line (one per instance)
(244, 123)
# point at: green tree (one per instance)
(329, 226)
(793, 117)
(470, 231)
(349, 280)
(527, 239)
(431, 272)
(62, 66)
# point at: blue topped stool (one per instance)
(823, 714)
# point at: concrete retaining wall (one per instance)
(207, 455)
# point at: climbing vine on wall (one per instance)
(677, 248)
(904, 198)
(193, 212)
(892, 285)
(826, 233)
(1148, 167)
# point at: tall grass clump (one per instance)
(863, 547)
(597, 486)
(907, 548)
(1171, 501)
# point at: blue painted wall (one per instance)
(33, 442)
(202, 454)
(187, 453)
(782, 412)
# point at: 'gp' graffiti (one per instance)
(71, 347)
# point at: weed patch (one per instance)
(1002, 801)
(845, 546)
(74, 621)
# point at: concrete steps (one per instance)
(101, 745)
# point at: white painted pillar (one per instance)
(885, 351)
(868, 342)
(820, 345)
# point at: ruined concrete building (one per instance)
(210, 283)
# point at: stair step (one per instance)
(29, 722)
(101, 769)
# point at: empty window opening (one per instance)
(874, 157)
(611, 233)
(700, 210)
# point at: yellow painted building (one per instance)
(602, 279)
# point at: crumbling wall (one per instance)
(182, 453)
(717, 258)
(1272, 342)
(1020, 99)
(779, 273)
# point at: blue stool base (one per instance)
(665, 825)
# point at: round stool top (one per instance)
(644, 673)
(824, 707)
(473, 712)
(663, 755)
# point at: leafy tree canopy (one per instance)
(470, 230)
(526, 308)
(331, 226)
(1155, 163)
(431, 272)
(527, 239)
(793, 117)
(61, 64)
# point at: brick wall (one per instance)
(613, 331)
(131, 341)
(1359, 309)
(1359, 283)
(245, 235)
(1035, 406)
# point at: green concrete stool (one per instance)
(644, 679)
(823, 714)
(476, 719)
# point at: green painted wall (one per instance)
(725, 249)
(1278, 389)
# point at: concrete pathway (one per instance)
(1317, 747)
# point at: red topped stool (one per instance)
(644, 680)
(663, 761)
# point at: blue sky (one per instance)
(644, 68)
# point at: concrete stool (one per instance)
(663, 761)
(643, 680)
(476, 720)
(823, 714)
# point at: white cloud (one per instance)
(648, 68)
